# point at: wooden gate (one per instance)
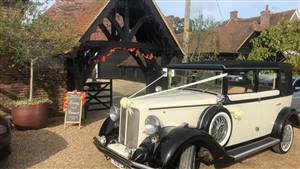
(99, 95)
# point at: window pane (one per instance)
(297, 84)
(267, 80)
(182, 77)
(240, 82)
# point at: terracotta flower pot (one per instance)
(27, 117)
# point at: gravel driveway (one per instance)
(56, 147)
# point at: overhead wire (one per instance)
(219, 9)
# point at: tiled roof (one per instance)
(79, 13)
(275, 17)
(228, 37)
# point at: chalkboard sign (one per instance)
(74, 108)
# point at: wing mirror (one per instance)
(296, 89)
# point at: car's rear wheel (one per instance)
(188, 159)
(286, 141)
(220, 128)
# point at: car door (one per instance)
(243, 106)
(271, 103)
(296, 95)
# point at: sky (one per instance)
(220, 9)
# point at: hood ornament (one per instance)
(220, 99)
(126, 102)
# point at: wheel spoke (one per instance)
(287, 138)
(219, 129)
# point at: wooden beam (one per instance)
(105, 31)
(114, 34)
(117, 26)
(137, 26)
(154, 63)
(126, 20)
(86, 36)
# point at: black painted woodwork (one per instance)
(144, 29)
(99, 96)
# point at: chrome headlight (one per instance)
(114, 113)
(3, 129)
(152, 125)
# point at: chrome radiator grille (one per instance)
(129, 127)
(122, 126)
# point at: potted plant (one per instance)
(30, 114)
(30, 39)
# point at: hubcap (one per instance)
(287, 138)
(219, 129)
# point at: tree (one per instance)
(204, 37)
(203, 24)
(9, 3)
(177, 23)
(27, 37)
(279, 43)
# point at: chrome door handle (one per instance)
(278, 104)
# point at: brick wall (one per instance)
(15, 85)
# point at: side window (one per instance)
(240, 82)
(267, 80)
(297, 83)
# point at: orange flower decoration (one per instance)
(83, 96)
(136, 52)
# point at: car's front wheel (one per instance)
(286, 141)
(188, 159)
(220, 128)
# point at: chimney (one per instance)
(233, 14)
(265, 17)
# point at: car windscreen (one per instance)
(180, 77)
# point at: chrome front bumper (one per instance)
(114, 155)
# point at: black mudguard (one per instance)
(285, 115)
(171, 146)
(109, 129)
(208, 114)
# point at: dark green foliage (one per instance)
(279, 43)
(28, 36)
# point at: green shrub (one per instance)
(34, 101)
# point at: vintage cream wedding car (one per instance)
(211, 112)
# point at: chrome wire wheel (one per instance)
(220, 128)
(188, 159)
(287, 138)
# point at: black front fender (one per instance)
(172, 145)
(109, 129)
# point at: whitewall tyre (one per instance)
(188, 159)
(286, 141)
(220, 128)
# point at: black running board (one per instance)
(252, 148)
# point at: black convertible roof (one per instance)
(229, 65)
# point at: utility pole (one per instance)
(186, 29)
(299, 7)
